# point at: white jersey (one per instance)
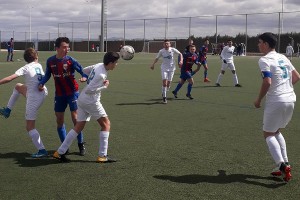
(91, 93)
(227, 54)
(33, 73)
(281, 89)
(289, 50)
(168, 63)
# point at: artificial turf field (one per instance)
(210, 147)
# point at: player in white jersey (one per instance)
(168, 66)
(227, 62)
(289, 51)
(33, 73)
(279, 76)
(89, 106)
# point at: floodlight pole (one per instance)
(102, 27)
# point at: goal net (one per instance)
(155, 46)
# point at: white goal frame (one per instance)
(159, 44)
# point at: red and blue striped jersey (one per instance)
(63, 72)
(188, 60)
(203, 53)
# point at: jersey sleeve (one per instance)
(78, 68)
(159, 54)
(263, 65)
(22, 71)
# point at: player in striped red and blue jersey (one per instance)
(189, 59)
(203, 60)
(63, 68)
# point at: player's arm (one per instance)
(8, 79)
(45, 78)
(79, 69)
(295, 76)
(266, 83)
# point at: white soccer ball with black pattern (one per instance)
(127, 52)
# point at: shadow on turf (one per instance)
(25, 160)
(154, 101)
(223, 178)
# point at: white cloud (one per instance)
(46, 15)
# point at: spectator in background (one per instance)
(10, 50)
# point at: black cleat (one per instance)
(237, 85)
(61, 158)
(189, 96)
(218, 85)
(175, 94)
(165, 100)
(81, 149)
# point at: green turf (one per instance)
(207, 148)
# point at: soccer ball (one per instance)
(127, 52)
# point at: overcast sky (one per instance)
(46, 15)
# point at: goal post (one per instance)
(154, 46)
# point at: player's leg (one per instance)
(33, 103)
(189, 88)
(234, 75)
(11, 55)
(179, 85)
(72, 101)
(204, 63)
(19, 89)
(274, 119)
(221, 74)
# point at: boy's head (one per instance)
(269, 38)
(110, 60)
(30, 55)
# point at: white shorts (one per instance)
(228, 65)
(277, 115)
(167, 75)
(33, 103)
(87, 111)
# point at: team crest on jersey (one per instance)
(65, 66)
(52, 66)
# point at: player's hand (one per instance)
(83, 79)
(224, 61)
(106, 83)
(41, 87)
(257, 103)
(180, 63)
(152, 67)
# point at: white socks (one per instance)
(72, 135)
(274, 149)
(103, 139)
(281, 141)
(36, 139)
(235, 79)
(164, 91)
(219, 78)
(13, 99)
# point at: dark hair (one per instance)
(269, 38)
(110, 57)
(30, 55)
(229, 40)
(59, 40)
(166, 40)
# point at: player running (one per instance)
(203, 60)
(189, 58)
(168, 66)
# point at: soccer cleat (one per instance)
(206, 80)
(175, 94)
(286, 170)
(105, 159)
(41, 153)
(189, 96)
(81, 149)
(165, 100)
(238, 85)
(61, 158)
(276, 172)
(218, 85)
(5, 112)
